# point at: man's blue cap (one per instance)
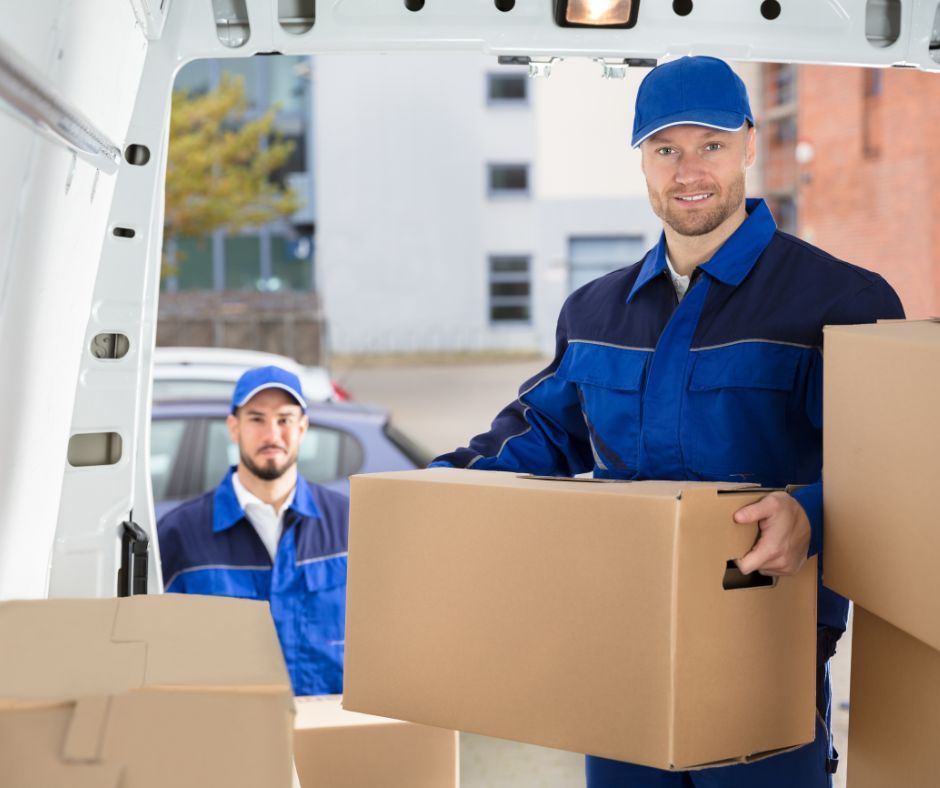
(261, 378)
(702, 91)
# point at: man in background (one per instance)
(266, 533)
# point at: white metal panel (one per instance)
(88, 53)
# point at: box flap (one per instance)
(86, 729)
(37, 635)
(578, 485)
(203, 641)
(114, 645)
(31, 742)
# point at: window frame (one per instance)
(510, 277)
(510, 194)
(507, 101)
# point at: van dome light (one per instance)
(596, 13)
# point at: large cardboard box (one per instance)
(143, 692)
(334, 748)
(894, 726)
(581, 615)
(881, 468)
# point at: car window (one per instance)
(325, 455)
(165, 438)
(192, 389)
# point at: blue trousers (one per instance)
(810, 766)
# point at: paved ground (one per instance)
(441, 406)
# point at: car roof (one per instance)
(236, 357)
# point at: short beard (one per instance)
(703, 222)
(270, 470)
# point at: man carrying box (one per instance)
(702, 362)
(266, 533)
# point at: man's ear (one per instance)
(233, 427)
(750, 146)
(304, 423)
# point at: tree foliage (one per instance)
(220, 167)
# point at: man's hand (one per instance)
(784, 535)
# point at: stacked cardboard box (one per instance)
(595, 617)
(882, 540)
(334, 748)
(143, 692)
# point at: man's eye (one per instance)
(713, 146)
(665, 151)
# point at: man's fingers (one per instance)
(754, 512)
(757, 557)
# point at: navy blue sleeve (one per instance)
(542, 431)
(876, 301)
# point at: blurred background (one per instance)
(404, 229)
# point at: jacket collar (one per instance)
(734, 259)
(226, 510)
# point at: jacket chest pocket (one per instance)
(610, 390)
(737, 412)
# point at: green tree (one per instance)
(220, 168)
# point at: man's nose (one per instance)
(271, 432)
(689, 169)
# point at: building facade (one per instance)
(460, 202)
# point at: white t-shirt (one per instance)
(268, 523)
(681, 283)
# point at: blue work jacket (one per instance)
(725, 385)
(208, 546)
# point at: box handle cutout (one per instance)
(734, 580)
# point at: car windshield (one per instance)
(413, 450)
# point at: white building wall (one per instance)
(405, 225)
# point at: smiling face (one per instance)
(268, 430)
(695, 176)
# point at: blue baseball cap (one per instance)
(261, 378)
(702, 91)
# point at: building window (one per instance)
(784, 130)
(509, 180)
(290, 262)
(507, 88)
(510, 289)
(242, 262)
(193, 269)
(591, 257)
(785, 83)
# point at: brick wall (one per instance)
(870, 194)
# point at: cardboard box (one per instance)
(581, 615)
(894, 722)
(143, 692)
(881, 466)
(334, 748)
